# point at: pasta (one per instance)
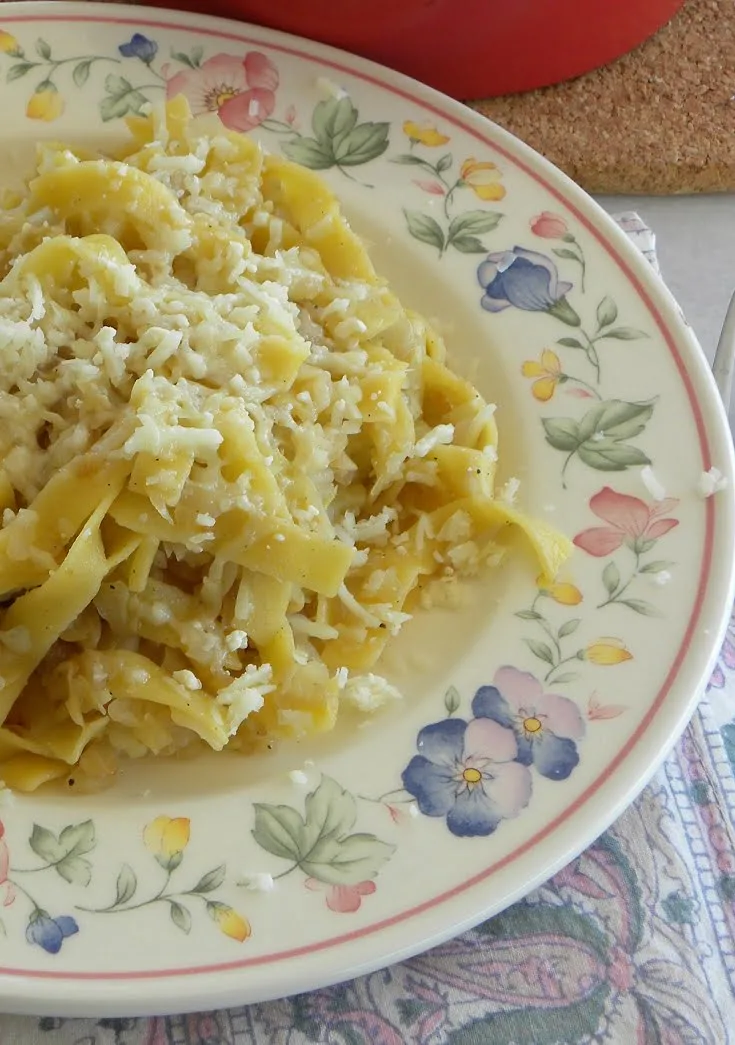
(232, 462)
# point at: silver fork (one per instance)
(723, 367)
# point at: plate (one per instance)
(141, 900)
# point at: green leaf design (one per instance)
(529, 615)
(126, 885)
(623, 420)
(354, 859)
(407, 159)
(625, 333)
(468, 245)
(122, 98)
(444, 163)
(569, 627)
(615, 458)
(562, 433)
(43, 49)
(20, 69)
(424, 228)
(320, 843)
(451, 700)
(75, 870)
(564, 252)
(211, 880)
(657, 565)
(568, 676)
(607, 313)
(611, 578)
(365, 142)
(540, 650)
(45, 844)
(570, 342)
(309, 153)
(80, 74)
(197, 53)
(564, 312)
(598, 437)
(332, 119)
(640, 606)
(65, 853)
(330, 812)
(78, 838)
(180, 916)
(279, 830)
(179, 56)
(474, 222)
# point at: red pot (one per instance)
(466, 48)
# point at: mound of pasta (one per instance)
(230, 461)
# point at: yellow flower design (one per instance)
(563, 592)
(166, 839)
(46, 104)
(607, 651)
(424, 134)
(229, 921)
(8, 43)
(483, 178)
(547, 374)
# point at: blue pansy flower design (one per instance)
(49, 932)
(527, 280)
(547, 727)
(139, 46)
(466, 772)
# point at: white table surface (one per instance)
(695, 241)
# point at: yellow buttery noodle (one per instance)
(233, 463)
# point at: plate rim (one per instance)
(714, 589)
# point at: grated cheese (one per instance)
(661, 577)
(711, 482)
(187, 679)
(656, 489)
(438, 436)
(258, 882)
(262, 455)
(369, 692)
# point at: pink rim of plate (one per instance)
(358, 71)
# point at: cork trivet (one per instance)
(660, 120)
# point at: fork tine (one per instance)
(722, 367)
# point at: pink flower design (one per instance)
(7, 889)
(290, 115)
(241, 90)
(630, 520)
(345, 899)
(432, 187)
(578, 393)
(548, 226)
(597, 712)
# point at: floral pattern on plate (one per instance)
(536, 276)
(477, 772)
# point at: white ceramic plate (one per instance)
(531, 717)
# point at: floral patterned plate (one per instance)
(532, 715)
